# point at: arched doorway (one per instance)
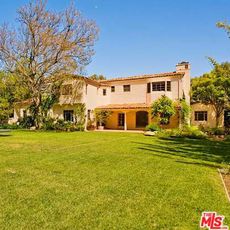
(141, 119)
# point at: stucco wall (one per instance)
(112, 122)
(137, 92)
(211, 119)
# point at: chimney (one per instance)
(184, 82)
(183, 66)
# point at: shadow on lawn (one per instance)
(206, 150)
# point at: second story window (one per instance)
(168, 85)
(112, 89)
(201, 115)
(67, 89)
(104, 92)
(126, 88)
(158, 86)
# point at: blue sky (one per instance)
(148, 36)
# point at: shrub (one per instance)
(192, 132)
(60, 125)
(217, 131)
(48, 124)
(8, 126)
(187, 131)
(26, 122)
(152, 127)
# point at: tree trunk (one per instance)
(218, 115)
(37, 113)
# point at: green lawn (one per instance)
(104, 180)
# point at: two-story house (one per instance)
(128, 98)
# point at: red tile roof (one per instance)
(168, 74)
(125, 106)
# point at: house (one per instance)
(205, 116)
(128, 98)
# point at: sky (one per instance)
(148, 36)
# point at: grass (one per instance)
(103, 180)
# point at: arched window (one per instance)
(141, 119)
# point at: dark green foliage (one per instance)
(9, 126)
(26, 122)
(48, 124)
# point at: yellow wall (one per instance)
(112, 122)
(211, 122)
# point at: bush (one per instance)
(8, 126)
(187, 131)
(152, 127)
(26, 122)
(60, 125)
(217, 131)
(48, 124)
(214, 131)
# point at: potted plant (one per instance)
(101, 117)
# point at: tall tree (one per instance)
(47, 47)
(214, 89)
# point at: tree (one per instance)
(213, 88)
(184, 112)
(163, 109)
(102, 116)
(224, 26)
(46, 49)
(97, 77)
(10, 91)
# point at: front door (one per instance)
(141, 119)
(227, 118)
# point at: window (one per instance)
(158, 86)
(201, 115)
(121, 119)
(67, 90)
(89, 114)
(68, 115)
(112, 89)
(126, 88)
(104, 92)
(24, 113)
(148, 87)
(168, 85)
(11, 115)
